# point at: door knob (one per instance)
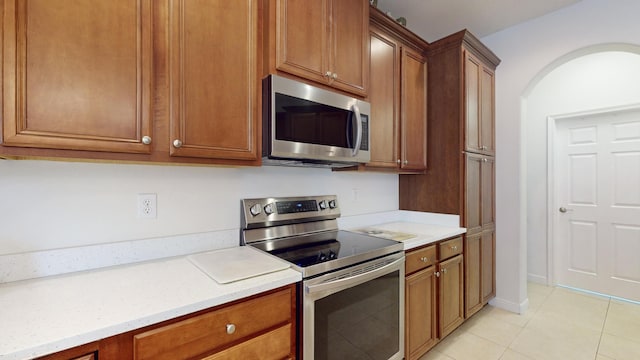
(564, 209)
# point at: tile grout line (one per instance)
(604, 323)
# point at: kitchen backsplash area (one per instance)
(50, 205)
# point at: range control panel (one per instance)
(267, 211)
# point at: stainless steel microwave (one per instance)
(304, 125)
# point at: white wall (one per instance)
(526, 50)
(596, 81)
(49, 205)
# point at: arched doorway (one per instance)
(593, 79)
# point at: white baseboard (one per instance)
(538, 279)
(518, 308)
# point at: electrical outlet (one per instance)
(147, 206)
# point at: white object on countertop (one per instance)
(238, 263)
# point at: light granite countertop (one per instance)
(44, 315)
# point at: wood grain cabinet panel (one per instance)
(398, 97)
(325, 41)
(214, 78)
(77, 74)
(384, 97)
(421, 308)
(451, 295)
(461, 175)
(434, 295)
(205, 333)
(479, 102)
(413, 125)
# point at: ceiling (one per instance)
(435, 19)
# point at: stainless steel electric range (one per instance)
(351, 298)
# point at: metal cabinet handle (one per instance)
(146, 140)
(177, 143)
(358, 120)
(437, 273)
(484, 160)
(424, 259)
(454, 248)
(398, 161)
(484, 147)
(231, 328)
(334, 76)
(444, 271)
(327, 74)
(406, 162)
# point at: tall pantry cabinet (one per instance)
(460, 178)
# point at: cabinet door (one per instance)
(349, 60)
(65, 87)
(214, 78)
(479, 106)
(302, 40)
(384, 99)
(487, 188)
(472, 69)
(488, 265)
(472, 193)
(451, 298)
(472, 274)
(487, 116)
(413, 104)
(420, 313)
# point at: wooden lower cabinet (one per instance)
(421, 307)
(451, 295)
(260, 327)
(434, 295)
(479, 270)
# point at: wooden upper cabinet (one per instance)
(384, 96)
(77, 75)
(398, 97)
(325, 41)
(479, 112)
(214, 59)
(413, 125)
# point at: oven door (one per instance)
(357, 312)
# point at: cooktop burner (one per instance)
(303, 231)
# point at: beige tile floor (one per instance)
(560, 324)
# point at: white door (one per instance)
(597, 203)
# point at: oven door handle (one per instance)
(355, 279)
(356, 147)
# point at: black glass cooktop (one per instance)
(321, 252)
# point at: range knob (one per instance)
(268, 209)
(332, 204)
(322, 257)
(323, 204)
(255, 210)
(332, 255)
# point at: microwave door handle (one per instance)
(356, 148)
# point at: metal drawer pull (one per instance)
(454, 248)
(437, 273)
(231, 328)
(444, 271)
(146, 140)
(424, 259)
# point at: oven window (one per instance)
(362, 322)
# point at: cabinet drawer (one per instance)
(420, 259)
(275, 344)
(207, 332)
(450, 248)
